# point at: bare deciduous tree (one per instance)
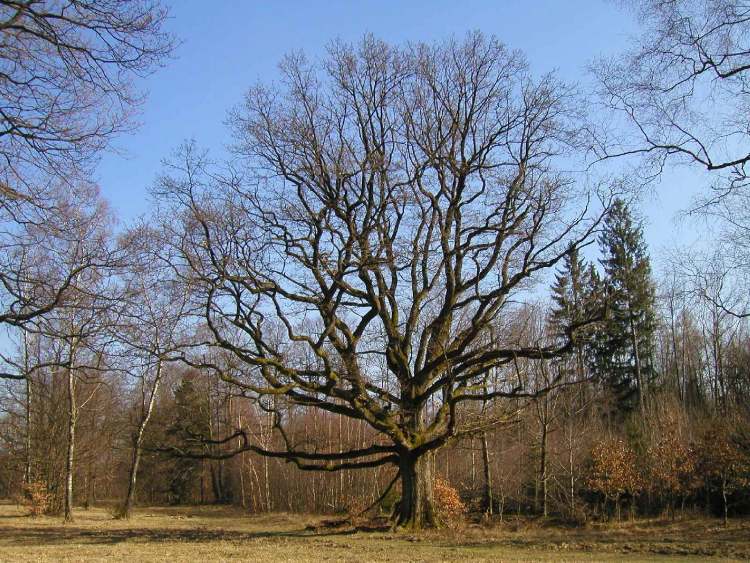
(681, 95)
(77, 325)
(682, 87)
(67, 71)
(394, 201)
(151, 333)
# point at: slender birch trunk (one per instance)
(72, 419)
(127, 506)
(27, 477)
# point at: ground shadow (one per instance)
(70, 533)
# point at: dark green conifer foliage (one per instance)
(571, 293)
(578, 297)
(623, 348)
(190, 425)
(574, 300)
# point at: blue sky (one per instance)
(229, 44)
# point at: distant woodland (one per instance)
(418, 285)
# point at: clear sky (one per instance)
(229, 44)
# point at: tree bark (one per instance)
(543, 467)
(540, 490)
(571, 470)
(416, 509)
(72, 416)
(27, 476)
(243, 500)
(637, 359)
(488, 500)
(473, 466)
(127, 506)
(617, 506)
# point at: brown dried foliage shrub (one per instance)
(448, 504)
(672, 466)
(614, 470)
(35, 498)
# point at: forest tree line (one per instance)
(418, 270)
(659, 436)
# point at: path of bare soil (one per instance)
(216, 533)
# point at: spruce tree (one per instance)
(623, 348)
(574, 301)
(190, 424)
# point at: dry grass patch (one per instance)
(220, 533)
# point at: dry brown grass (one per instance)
(214, 533)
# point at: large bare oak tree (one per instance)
(385, 209)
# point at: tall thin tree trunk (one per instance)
(243, 501)
(488, 500)
(267, 483)
(214, 472)
(673, 335)
(473, 465)
(88, 486)
(342, 500)
(27, 476)
(617, 507)
(72, 416)
(127, 506)
(543, 467)
(637, 359)
(571, 470)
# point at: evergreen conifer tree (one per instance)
(623, 348)
(189, 425)
(574, 297)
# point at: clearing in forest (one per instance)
(219, 533)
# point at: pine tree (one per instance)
(623, 349)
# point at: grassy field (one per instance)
(211, 533)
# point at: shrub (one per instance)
(671, 468)
(448, 504)
(35, 498)
(615, 472)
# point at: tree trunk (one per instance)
(127, 506)
(267, 483)
(617, 507)
(637, 358)
(671, 506)
(724, 498)
(69, 464)
(488, 500)
(416, 509)
(543, 466)
(87, 487)
(572, 476)
(473, 466)
(27, 476)
(243, 501)
(216, 484)
(203, 481)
